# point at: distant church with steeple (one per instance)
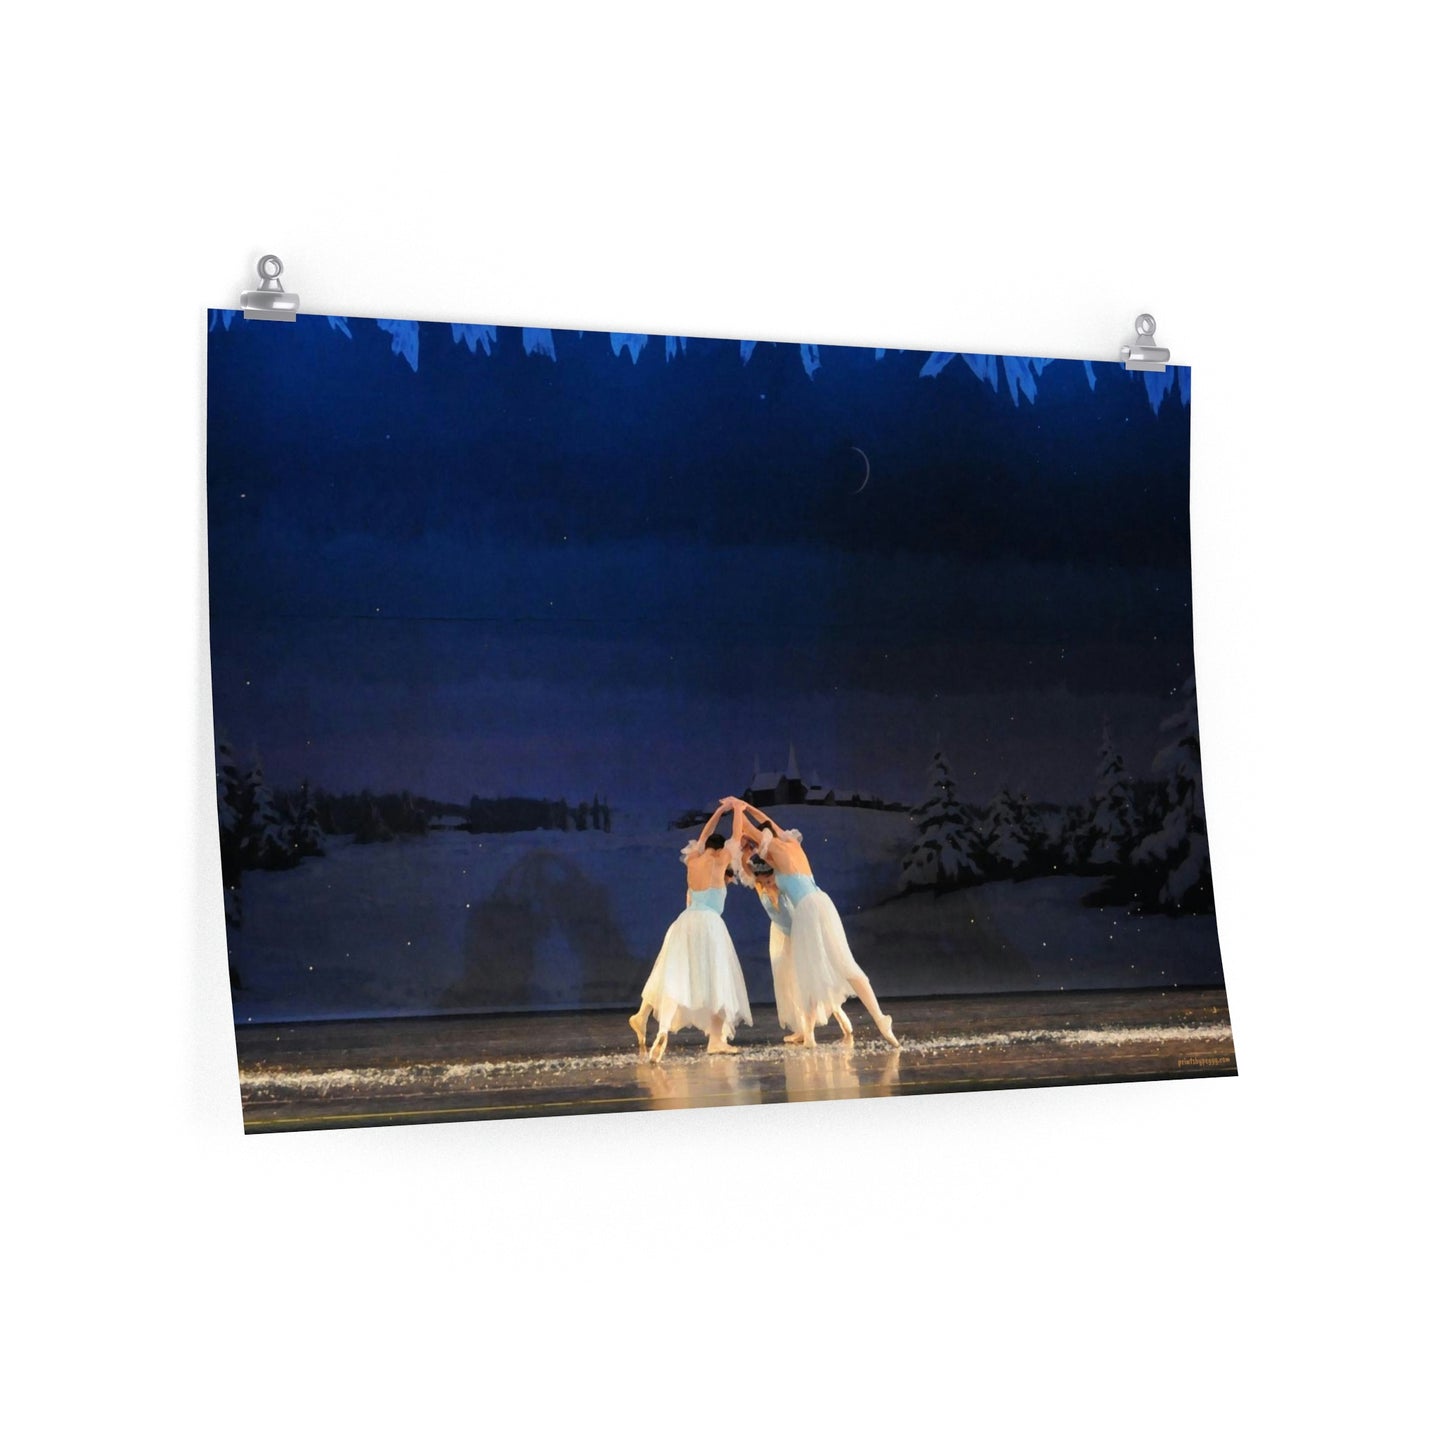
(769, 790)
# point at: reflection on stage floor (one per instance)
(396, 1071)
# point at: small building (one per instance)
(770, 790)
(766, 790)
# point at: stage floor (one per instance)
(414, 1071)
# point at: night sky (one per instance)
(510, 573)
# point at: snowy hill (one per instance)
(451, 922)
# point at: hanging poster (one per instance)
(608, 721)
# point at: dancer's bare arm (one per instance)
(741, 827)
(750, 819)
(760, 819)
(710, 827)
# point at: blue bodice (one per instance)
(780, 912)
(796, 886)
(711, 899)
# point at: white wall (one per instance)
(1175, 1261)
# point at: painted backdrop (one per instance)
(498, 615)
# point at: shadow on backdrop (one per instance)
(546, 937)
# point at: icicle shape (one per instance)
(629, 341)
(1018, 371)
(983, 366)
(405, 340)
(1156, 386)
(1021, 373)
(474, 336)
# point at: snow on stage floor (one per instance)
(410, 1071)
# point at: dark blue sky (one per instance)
(553, 574)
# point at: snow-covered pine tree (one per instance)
(941, 856)
(1003, 842)
(305, 837)
(371, 826)
(1174, 858)
(229, 799)
(263, 830)
(1075, 840)
(1111, 829)
(411, 816)
(325, 814)
(1151, 806)
(1033, 833)
(228, 787)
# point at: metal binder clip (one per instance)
(270, 302)
(1145, 357)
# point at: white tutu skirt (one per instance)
(697, 976)
(785, 980)
(819, 970)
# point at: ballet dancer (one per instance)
(824, 968)
(759, 873)
(697, 981)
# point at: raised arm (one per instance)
(741, 827)
(710, 827)
(752, 814)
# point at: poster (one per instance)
(611, 721)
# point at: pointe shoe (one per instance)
(886, 1029)
(638, 1025)
(659, 1048)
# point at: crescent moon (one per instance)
(867, 470)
